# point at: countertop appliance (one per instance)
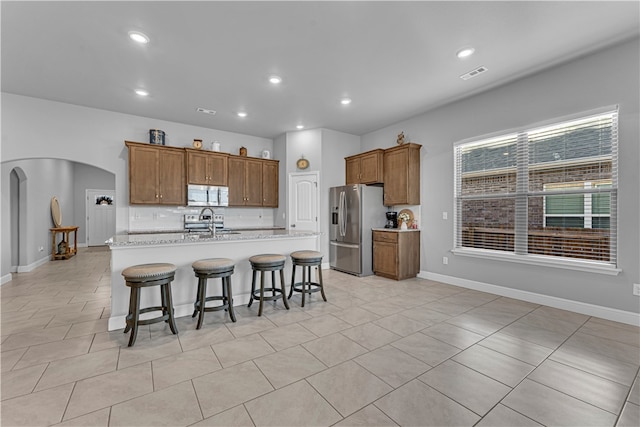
(206, 195)
(392, 220)
(355, 210)
(194, 223)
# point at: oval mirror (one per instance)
(56, 213)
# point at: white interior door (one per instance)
(101, 218)
(304, 201)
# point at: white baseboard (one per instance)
(33, 265)
(551, 301)
(5, 279)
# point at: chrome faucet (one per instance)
(212, 229)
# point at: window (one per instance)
(549, 191)
(577, 210)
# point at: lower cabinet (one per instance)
(396, 254)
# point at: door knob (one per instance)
(293, 225)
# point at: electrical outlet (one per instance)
(636, 289)
(41, 249)
(445, 260)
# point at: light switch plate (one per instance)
(636, 289)
(445, 215)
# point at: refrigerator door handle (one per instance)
(343, 214)
(345, 245)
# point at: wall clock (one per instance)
(302, 163)
(197, 143)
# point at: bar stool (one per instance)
(264, 263)
(213, 268)
(143, 276)
(306, 260)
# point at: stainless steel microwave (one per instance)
(205, 195)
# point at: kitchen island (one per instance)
(182, 249)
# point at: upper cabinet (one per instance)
(270, 183)
(156, 174)
(402, 175)
(206, 167)
(245, 181)
(365, 168)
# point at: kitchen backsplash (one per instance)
(156, 218)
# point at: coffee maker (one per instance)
(392, 220)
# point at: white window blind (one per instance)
(548, 191)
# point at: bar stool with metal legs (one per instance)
(306, 260)
(264, 263)
(210, 269)
(143, 276)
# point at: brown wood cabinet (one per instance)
(206, 167)
(402, 175)
(270, 183)
(365, 168)
(245, 181)
(156, 174)
(396, 254)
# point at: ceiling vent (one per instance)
(205, 111)
(473, 73)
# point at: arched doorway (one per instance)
(18, 208)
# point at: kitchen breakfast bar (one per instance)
(182, 249)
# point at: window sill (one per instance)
(565, 263)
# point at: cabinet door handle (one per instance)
(156, 196)
(161, 196)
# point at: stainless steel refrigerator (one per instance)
(355, 210)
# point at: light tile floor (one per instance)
(379, 353)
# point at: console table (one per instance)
(70, 250)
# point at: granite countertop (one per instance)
(185, 232)
(395, 230)
(151, 239)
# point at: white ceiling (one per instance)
(394, 59)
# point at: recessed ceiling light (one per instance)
(345, 101)
(275, 80)
(138, 37)
(142, 92)
(300, 127)
(242, 114)
(466, 52)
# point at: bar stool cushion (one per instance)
(148, 271)
(307, 255)
(212, 265)
(267, 259)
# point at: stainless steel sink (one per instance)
(205, 235)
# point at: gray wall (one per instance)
(37, 128)
(335, 147)
(602, 79)
(87, 177)
(44, 178)
(325, 149)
